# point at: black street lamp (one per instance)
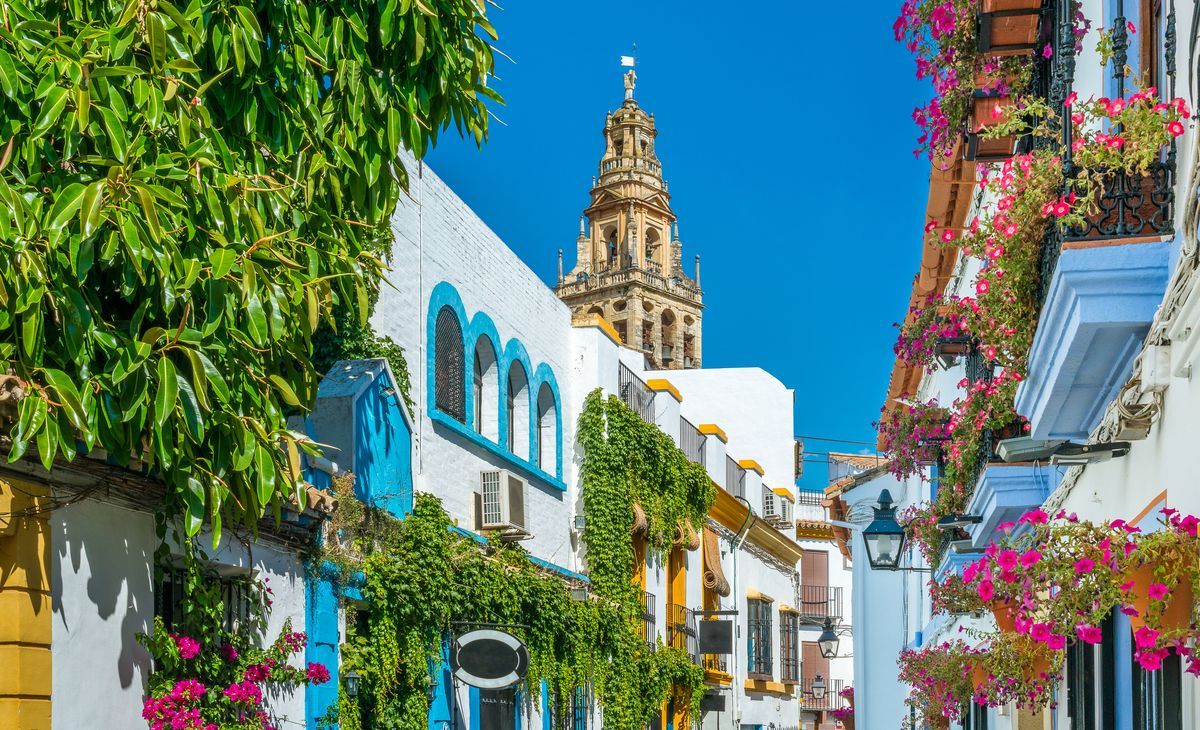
(828, 640)
(351, 683)
(884, 537)
(818, 687)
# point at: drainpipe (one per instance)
(734, 544)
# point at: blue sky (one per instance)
(785, 135)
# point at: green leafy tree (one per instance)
(187, 191)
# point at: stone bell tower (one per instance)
(628, 256)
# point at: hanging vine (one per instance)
(626, 462)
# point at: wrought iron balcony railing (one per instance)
(716, 663)
(818, 603)
(681, 630)
(648, 632)
(735, 478)
(635, 393)
(1129, 206)
(831, 700)
(691, 441)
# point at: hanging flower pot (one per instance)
(979, 676)
(1005, 615)
(1009, 27)
(1176, 605)
(987, 110)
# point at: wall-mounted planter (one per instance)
(1177, 613)
(982, 148)
(947, 350)
(1008, 27)
(1003, 611)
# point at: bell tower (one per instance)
(628, 256)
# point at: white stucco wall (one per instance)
(102, 596)
(439, 238)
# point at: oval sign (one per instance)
(489, 659)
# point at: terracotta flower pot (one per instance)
(848, 723)
(1004, 612)
(1041, 664)
(1009, 27)
(979, 675)
(988, 110)
(1177, 613)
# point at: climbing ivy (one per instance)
(628, 461)
(421, 578)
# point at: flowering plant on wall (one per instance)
(213, 676)
(1016, 669)
(941, 680)
(953, 595)
(928, 325)
(1160, 585)
(988, 405)
(909, 434)
(942, 36)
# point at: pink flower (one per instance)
(1132, 28)
(1047, 52)
(188, 647)
(1007, 559)
(1030, 558)
(317, 673)
(1145, 637)
(1152, 661)
(1084, 565)
(982, 286)
(1175, 128)
(1006, 526)
(1089, 634)
(1070, 99)
(1056, 642)
(1040, 632)
(229, 652)
(947, 235)
(1061, 208)
(930, 226)
(1035, 517)
(986, 590)
(256, 673)
(244, 692)
(1158, 591)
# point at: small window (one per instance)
(517, 407)
(448, 375)
(547, 441)
(789, 647)
(485, 384)
(574, 713)
(170, 597)
(758, 648)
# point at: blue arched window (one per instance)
(448, 371)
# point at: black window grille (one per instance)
(449, 380)
(1157, 696)
(574, 712)
(789, 647)
(171, 594)
(758, 642)
(648, 631)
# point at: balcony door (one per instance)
(498, 709)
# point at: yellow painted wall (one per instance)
(24, 607)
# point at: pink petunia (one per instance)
(982, 286)
(1145, 637)
(1175, 128)
(1070, 99)
(1089, 634)
(1158, 591)
(1084, 565)
(1047, 52)
(986, 590)
(1131, 27)
(1030, 558)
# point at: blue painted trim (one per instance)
(509, 459)
(348, 588)
(564, 572)
(481, 325)
(473, 703)
(441, 710)
(1123, 672)
(1004, 493)
(1097, 314)
(546, 705)
(323, 645)
(545, 375)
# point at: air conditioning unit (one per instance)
(777, 508)
(502, 501)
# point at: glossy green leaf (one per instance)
(166, 391)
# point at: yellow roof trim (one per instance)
(714, 676)
(751, 465)
(753, 595)
(784, 492)
(728, 511)
(712, 429)
(662, 385)
(599, 322)
(784, 608)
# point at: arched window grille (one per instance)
(449, 378)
